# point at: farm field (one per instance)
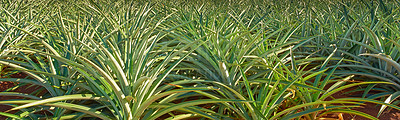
(203, 59)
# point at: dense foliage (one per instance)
(254, 59)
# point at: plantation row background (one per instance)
(199, 59)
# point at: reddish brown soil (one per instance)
(6, 85)
(369, 108)
(372, 109)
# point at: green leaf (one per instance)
(11, 115)
(60, 98)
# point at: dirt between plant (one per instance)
(369, 108)
(6, 85)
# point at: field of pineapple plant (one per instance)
(201, 59)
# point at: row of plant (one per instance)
(198, 59)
